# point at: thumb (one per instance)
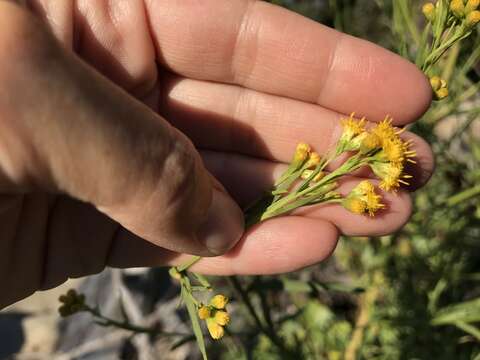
(64, 128)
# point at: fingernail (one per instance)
(224, 225)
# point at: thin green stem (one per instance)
(190, 262)
(407, 17)
(464, 196)
(131, 327)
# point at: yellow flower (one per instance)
(301, 153)
(307, 173)
(472, 5)
(365, 187)
(397, 151)
(373, 203)
(351, 128)
(429, 11)
(439, 87)
(458, 8)
(473, 18)
(221, 317)
(436, 82)
(355, 205)
(384, 129)
(215, 316)
(391, 175)
(441, 94)
(370, 143)
(313, 160)
(219, 301)
(216, 331)
(204, 312)
(363, 199)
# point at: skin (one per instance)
(132, 132)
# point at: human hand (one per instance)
(88, 173)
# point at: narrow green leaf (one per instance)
(470, 329)
(202, 280)
(467, 312)
(192, 313)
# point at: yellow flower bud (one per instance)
(371, 142)
(204, 312)
(301, 153)
(473, 18)
(219, 301)
(313, 160)
(216, 331)
(436, 82)
(429, 11)
(355, 205)
(441, 93)
(458, 8)
(72, 302)
(472, 5)
(221, 318)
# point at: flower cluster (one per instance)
(384, 150)
(465, 11)
(72, 303)
(439, 87)
(389, 155)
(215, 316)
(449, 22)
(381, 148)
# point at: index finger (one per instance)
(273, 50)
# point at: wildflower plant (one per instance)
(311, 180)
(307, 181)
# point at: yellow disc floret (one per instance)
(391, 175)
(472, 5)
(429, 11)
(313, 160)
(397, 151)
(351, 128)
(370, 143)
(473, 18)
(363, 199)
(204, 312)
(221, 317)
(384, 129)
(458, 8)
(216, 330)
(301, 153)
(219, 301)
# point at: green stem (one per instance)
(464, 195)
(412, 28)
(190, 262)
(131, 327)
